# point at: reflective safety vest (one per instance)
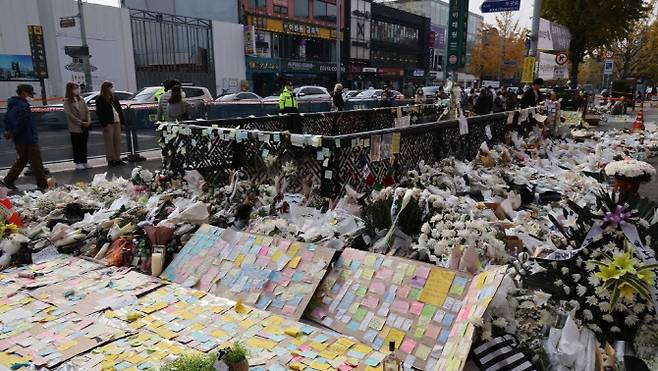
(287, 99)
(158, 94)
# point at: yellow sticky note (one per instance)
(238, 260)
(369, 260)
(292, 331)
(436, 287)
(67, 345)
(277, 255)
(293, 249)
(328, 354)
(395, 335)
(481, 278)
(296, 366)
(320, 366)
(217, 333)
(362, 348)
(294, 262)
(367, 273)
(345, 342)
(318, 346)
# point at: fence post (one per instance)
(132, 142)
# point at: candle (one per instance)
(156, 264)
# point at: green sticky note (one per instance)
(428, 310)
(362, 291)
(414, 294)
(419, 332)
(360, 314)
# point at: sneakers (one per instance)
(80, 167)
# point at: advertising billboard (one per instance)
(17, 68)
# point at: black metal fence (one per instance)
(361, 159)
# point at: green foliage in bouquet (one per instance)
(191, 362)
(377, 216)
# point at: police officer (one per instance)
(287, 101)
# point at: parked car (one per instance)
(190, 94)
(90, 98)
(311, 93)
(347, 94)
(429, 92)
(375, 94)
(244, 96)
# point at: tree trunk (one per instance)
(576, 60)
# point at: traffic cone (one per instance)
(638, 125)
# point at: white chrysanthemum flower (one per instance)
(581, 290)
(605, 306)
(594, 327)
(567, 289)
(593, 280)
(631, 320)
(588, 314)
(576, 277)
(638, 307)
(589, 266)
(558, 283)
(608, 318)
(564, 270)
(615, 329)
(500, 322)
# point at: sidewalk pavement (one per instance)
(65, 173)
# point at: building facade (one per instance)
(437, 11)
(385, 46)
(289, 40)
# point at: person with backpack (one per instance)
(21, 128)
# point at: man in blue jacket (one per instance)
(21, 128)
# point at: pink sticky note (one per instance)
(269, 286)
(377, 287)
(263, 251)
(400, 306)
(288, 309)
(422, 271)
(416, 307)
(262, 261)
(307, 256)
(304, 347)
(432, 331)
(403, 291)
(463, 314)
(370, 301)
(384, 274)
(345, 367)
(408, 345)
(318, 313)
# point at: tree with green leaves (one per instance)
(593, 23)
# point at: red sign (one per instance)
(391, 71)
(561, 59)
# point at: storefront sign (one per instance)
(249, 40)
(439, 37)
(301, 29)
(418, 73)
(278, 25)
(263, 64)
(312, 67)
(457, 33)
(370, 69)
(391, 71)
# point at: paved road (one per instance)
(56, 145)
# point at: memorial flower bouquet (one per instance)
(450, 230)
(631, 169)
(609, 267)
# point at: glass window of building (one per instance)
(324, 11)
(258, 4)
(301, 8)
(281, 9)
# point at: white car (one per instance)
(311, 93)
(245, 96)
(90, 98)
(190, 94)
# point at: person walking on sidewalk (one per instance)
(110, 115)
(174, 108)
(337, 97)
(79, 122)
(22, 129)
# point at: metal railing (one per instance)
(328, 161)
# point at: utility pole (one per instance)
(338, 17)
(536, 14)
(85, 58)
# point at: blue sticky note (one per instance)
(278, 303)
(308, 329)
(348, 299)
(295, 301)
(321, 338)
(336, 288)
(444, 336)
(378, 262)
(340, 263)
(353, 326)
(370, 335)
(372, 362)
(263, 302)
(447, 320)
(378, 343)
(297, 276)
(355, 265)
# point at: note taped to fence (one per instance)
(395, 143)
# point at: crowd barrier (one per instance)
(140, 118)
(363, 159)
